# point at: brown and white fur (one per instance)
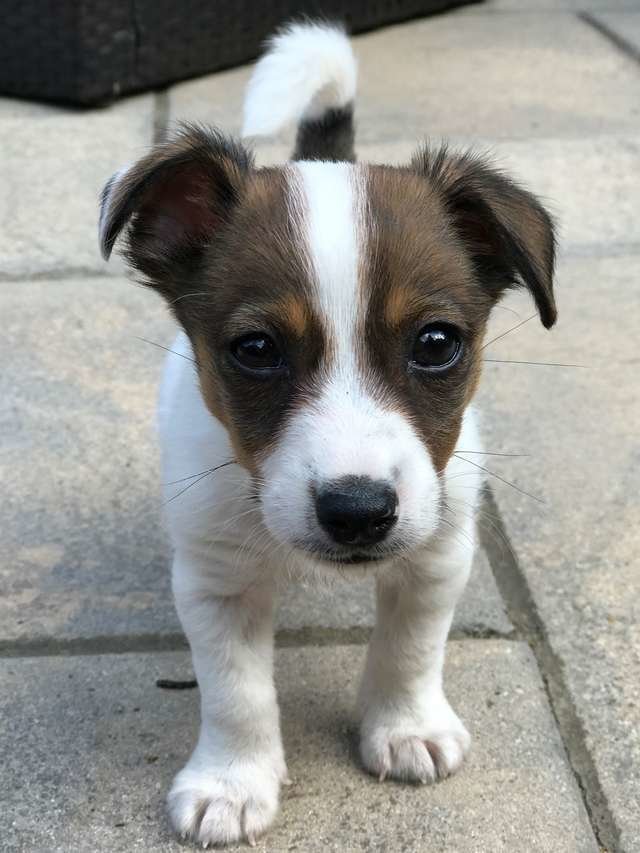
(340, 266)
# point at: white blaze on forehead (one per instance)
(341, 429)
(345, 429)
(331, 201)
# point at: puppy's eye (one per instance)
(257, 353)
(437, 346)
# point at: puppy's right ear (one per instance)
(507, 232)
(174, 201)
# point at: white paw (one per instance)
(414, 749)
(225, 803)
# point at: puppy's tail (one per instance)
(308, 75)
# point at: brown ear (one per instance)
(174, 200)
(508, 233)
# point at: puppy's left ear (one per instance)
(173, 203)
(507, 232)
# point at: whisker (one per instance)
(486, 522)
(502, 479)
(186, 488)
(253, 531)
(198, 477)
(261, 545)
(219, 529)
(492, 453)
(218, 503)
(189, 296)
(460, 474)
(201, 473)
(458, 530)
(166, 349)
(512, 329)
(538, 363)
(506, 308)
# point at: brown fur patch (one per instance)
(416, 272)
(254, 279)
(506, 232)
(446, 238)
(220, 241)
(397, 306)
(296, 314)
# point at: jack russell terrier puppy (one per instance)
(332, 316)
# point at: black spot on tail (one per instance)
(329, 137)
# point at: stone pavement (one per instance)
(544, 663)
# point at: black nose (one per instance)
(357, 510)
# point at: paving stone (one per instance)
(81, 546)
(54, 164)
(83, 554)
(529, 79)
(579, 552)
(93, 745)
(215, 99)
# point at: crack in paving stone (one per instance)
(628, 48)
(72, 646)
(523, 612)
(58, 275)
(284, 639)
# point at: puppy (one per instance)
(332, 318)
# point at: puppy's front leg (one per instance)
(229, 788)
(408, 729)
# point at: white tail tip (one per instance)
(308, 69)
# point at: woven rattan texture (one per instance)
(86, 51)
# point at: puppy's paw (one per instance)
(225, 804)
(423, 750)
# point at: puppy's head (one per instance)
(336, 313)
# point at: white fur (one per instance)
(331, 205)
(230, 552)
(223, 593)
(224, 575)
(307, 69)
(408, 729)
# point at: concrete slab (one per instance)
(215, 99)
(54, 164)
(83, 555)
(81, 542)
(93, 745)
(578, 554)
(467, 74)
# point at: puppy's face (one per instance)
(336, 313)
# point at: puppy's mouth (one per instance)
(347, 558)
(352, 559)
